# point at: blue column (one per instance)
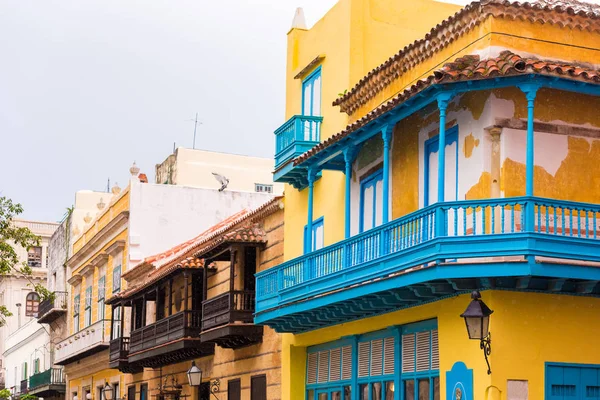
(442, 100)
(349, 153)
(530, 91)
(311, 182)
(386, 135)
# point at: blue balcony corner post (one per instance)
(440, 224)
(386, 135)
(530, 90)
(311, 181)
(349, 154)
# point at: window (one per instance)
(34, 257)
(24, 371)
(131, 392)
(88, 306)
(36, 366)
(116, 392)
(263, 188)
(371, 201)
(116, 278)
(101, 290)
(317, 240)
(432, 147)
(116, 333)
(32, 304)
(311, 94)
(577, 381)
(234, 390)
(76, 305)
(144, 391)
(258, 387)
(311, 104)
(413, 348)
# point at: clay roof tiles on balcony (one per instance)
(466, 68)
(565, 13)
(240, 227)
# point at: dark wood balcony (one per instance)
(118, 356)
(51, 309)
(228, 320)
(169, 340)
(23, 386)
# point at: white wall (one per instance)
(162, 216)
(25, 345)
(195, 168)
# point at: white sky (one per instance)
(87, 87)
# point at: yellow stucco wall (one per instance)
(547, 328)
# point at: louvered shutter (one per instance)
(435, 350)
(323, 373)
(376, 357)
(423, 351)
(408, 353)
(346, 362)
(363, 358)
(388, 355)
(311, 374)
(335, 368)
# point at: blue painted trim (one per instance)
(311, 182)
(432, 145)
(369, 181)
(421, 326)
(574, 365)
(309, 80)
(386, 135)
(319, 222)
(349, 154)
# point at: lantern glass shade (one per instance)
(107, 392)
(194, 375)
(478, 327)
(75, 397)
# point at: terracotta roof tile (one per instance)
(463, 69)
(565, 13)
(239, 227)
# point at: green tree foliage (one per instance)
(11, 236)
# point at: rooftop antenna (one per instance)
(173, 147)
(196, 123)
(108, 186)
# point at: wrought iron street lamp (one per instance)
(107, 391)
(477, 319)
(194, 375)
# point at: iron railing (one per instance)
(58, 301)
(52, 376)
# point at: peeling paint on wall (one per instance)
(470, 143)
(370, 151)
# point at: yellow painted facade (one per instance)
(527, 328)
(104, 239)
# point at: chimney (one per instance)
(299, 22)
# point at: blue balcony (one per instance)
(522, 243)
(296, 136)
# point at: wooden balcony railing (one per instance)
(530, 226)
(177, 326)
(58, 302)
(228, 307)
(119, 349)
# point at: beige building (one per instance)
(189, 167)
(196, 302)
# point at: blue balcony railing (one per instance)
(297, 135)
(463, 229)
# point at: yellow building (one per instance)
(130, 225)
(387, 236)
(195, 302)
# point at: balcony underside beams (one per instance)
(327, 311)
(172, 353)
(79, 356)
(233, 336)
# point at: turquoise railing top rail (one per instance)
(300, 129)
(487, 217)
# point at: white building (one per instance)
(16, 293)
(190, 167)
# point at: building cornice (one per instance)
(117, 246)
(114, 227)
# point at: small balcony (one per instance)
(118, 353)
(296, 136)
(49, 383)
(171, 339)
(23, 387)
(86, 342)
(51, 309)
(521, 243)
(228, 320)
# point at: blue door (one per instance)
(572, 382)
